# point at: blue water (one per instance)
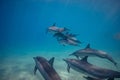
(22, 33)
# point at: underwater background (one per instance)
(22, 34)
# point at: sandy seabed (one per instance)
(21, 67)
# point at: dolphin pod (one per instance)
(63, 36)
(82, 65)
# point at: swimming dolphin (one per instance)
(75, 40)
(91, 70)
(88, 51)
(54, 28)
(46, 68)
(68, 42)
(72, 42)
(72, 37)
(63, 36)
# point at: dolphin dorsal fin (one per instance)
(84, 59)
(51, 61)
(88, 46)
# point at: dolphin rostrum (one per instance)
(88, 51)
(91, 70)
(46, 68)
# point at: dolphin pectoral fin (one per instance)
(51, 61)
(68, 68)
(88, 46)
(35, 69)
(84, 59)
(110, 79)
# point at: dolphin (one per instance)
(91, 70)
(88, 51)
(54, 28)
(75, 40)
(72, 37)
(68, 42)
(72, 42)
(67, 37)
(46, 68)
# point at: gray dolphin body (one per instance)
(92, 52)
(54, 28)
(46, 68)
(68, 42)
(70, 37)
(91, 70)
(64, 39)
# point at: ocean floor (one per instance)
(20, 67)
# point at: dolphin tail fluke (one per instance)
(51, 61)
(35, 69)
